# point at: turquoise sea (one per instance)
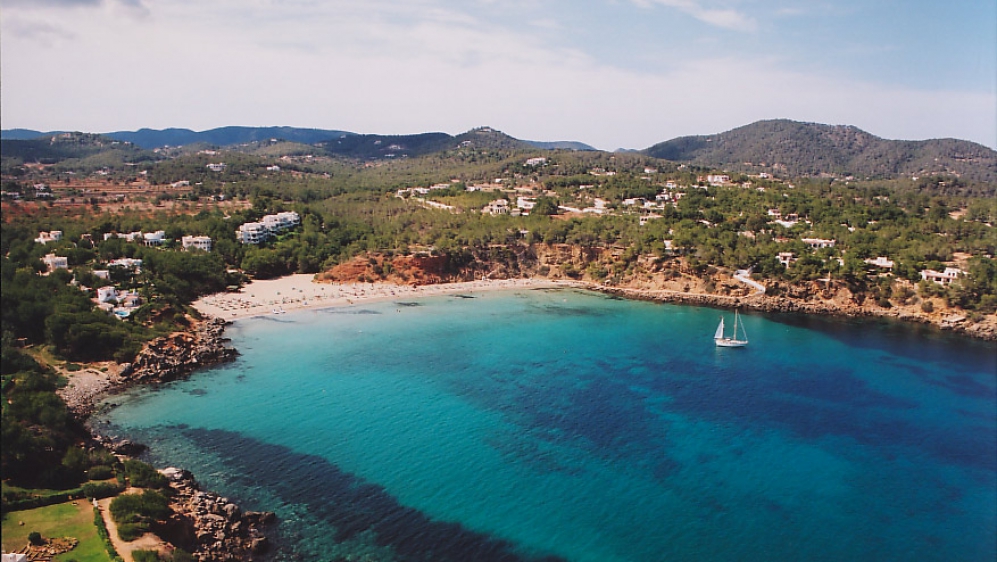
(564, 425)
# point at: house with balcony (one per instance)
(198, 242)
(942, 277)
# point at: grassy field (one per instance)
(60, 520)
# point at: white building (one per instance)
(526, 203)
(818, 243)
(46, 237)
(102, 274)
(127, 263)
(107, 294)
(154, 238)
(54, 262)
(881, 261)
(220, 167)
(786, 258)
(497, 207)
(274, 168)
(268, 227)
(538, 161)
(252, 233)
(281, 221)
(199, 242)
(718, 179)
(942, 278)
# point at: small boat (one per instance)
(724, 341)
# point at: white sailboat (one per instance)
(724, 341)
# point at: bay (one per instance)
(568, 425)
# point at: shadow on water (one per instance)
(915, 341)
(351, 505)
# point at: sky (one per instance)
(609, 73)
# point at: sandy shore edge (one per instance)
(301, 291)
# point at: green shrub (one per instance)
(927, 306)
(35, 538)
(100, 490)
(145, 556)
(100, 472)
(131, 531)
(142, 475)
(134, 512)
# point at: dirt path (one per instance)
(147, 541)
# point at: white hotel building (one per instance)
(267, 228)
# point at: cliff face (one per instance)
(619, 270)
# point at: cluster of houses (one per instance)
(158, 238)
(109, 298)
(267, 228)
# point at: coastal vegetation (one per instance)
(372, 208)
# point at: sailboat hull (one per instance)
(728, 342)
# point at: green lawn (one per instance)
(60, 520)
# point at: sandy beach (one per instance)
(300, 291)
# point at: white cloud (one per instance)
(726, 18)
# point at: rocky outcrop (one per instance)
(802, 304)
(212, 527)
(177, 355)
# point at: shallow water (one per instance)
(567, 425)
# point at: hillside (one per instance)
(222, 136)
(85, 149)
(794, 149)
(336, 142)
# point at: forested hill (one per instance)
(794, 149)
(337, 142)
(222, 136)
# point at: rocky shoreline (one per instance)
(210, 526)
(780, 304)
(214, 529)
(205, 524)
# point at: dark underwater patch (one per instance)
(352, 505)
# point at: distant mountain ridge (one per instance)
(782, 147)
(795, 149)
(229, 136)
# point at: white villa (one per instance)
(526, 203)
(46, 237)
(199, 242)
(538, 161)
(497, 207)
(216, 167)
(942, 278)
(818, 243)
(786, 258)
(130, 236)
(54, 262)
(154, 238)
(127, 263)
(881, 261)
